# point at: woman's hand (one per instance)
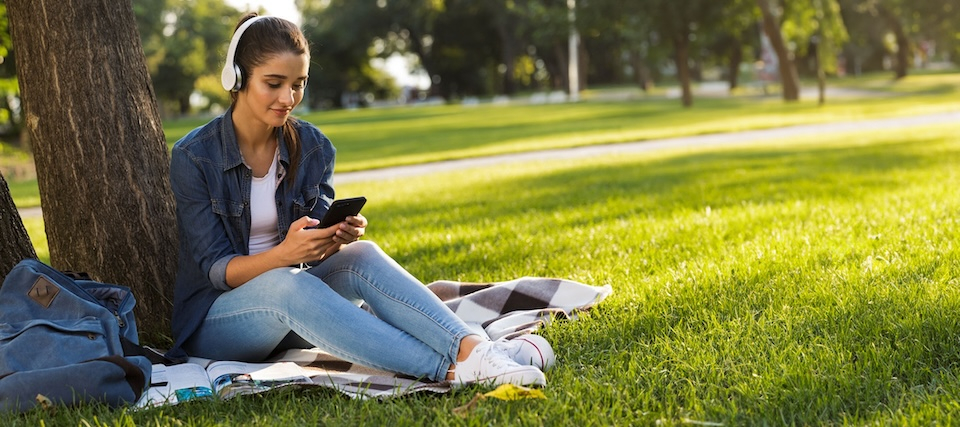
(302, 244)
(350, 230)
(306, 244)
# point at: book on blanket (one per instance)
(224, 379)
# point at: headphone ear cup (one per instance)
(231, 78)
(239, 79)
(228, 77)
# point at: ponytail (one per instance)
(291, 139)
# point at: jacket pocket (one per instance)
(50, 343)
(306, 201)
(231, 214)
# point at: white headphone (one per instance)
(231, 78)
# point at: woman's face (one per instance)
(274, 88)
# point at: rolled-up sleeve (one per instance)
(218, 273)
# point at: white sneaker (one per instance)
(488, 364)
(529, 349)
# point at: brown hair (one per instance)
(262, 40)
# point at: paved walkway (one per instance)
(650, 145)
(729, 138)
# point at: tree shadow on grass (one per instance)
(491, 128)
(747, 353)
(899, 342)
(575, 197)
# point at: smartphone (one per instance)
(341, 209)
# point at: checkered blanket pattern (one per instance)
(500, 309)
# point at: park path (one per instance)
(708, 140)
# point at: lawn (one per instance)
(804, 282)
(376, 138)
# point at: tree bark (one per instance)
(641, 74)
(560, 53)
(789, 77)
(821, 73)
(102, 161)
(681, 46)
(15, 244)
(733, 70)
(508, 48)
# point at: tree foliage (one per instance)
(473, 48)
(183, 41)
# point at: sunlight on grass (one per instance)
(25, 194)
(375, 138)
(808, 281)
(802, 282)
(38, 237)
(450, 132)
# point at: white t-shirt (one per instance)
(263, 211)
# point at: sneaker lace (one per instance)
(498, 358)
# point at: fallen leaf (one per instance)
(515, 392)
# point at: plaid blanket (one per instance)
(501, 309)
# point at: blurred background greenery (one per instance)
(369, 53)
(380, 53)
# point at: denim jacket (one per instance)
(211, 185)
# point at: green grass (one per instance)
(376, 138)
(38, 236)
(25, 193)
(803, 282)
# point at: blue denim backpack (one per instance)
(70, 340)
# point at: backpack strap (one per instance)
(77, 275)
(154, 356)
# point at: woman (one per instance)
(249, 187)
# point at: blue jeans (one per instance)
(410, 331)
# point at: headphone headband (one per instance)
(231, 77)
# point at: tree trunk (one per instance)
(821, 73)
(736, 57)
(184, 103)
(15, 244)
(903, 43)
(560, 52)
(641, 74)
(508, 56)
(102, 161)
(788, 70)
(681, 46)
(583, 63)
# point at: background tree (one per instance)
(15, 244)
(827, 36)
(900, 31)
(10, 119)
(549, 35)
(683, 25)
(789, 78)
(864, 50)
(341, 35)
(186, 41)
(891, 12)
(101, 158)
(737, 37)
